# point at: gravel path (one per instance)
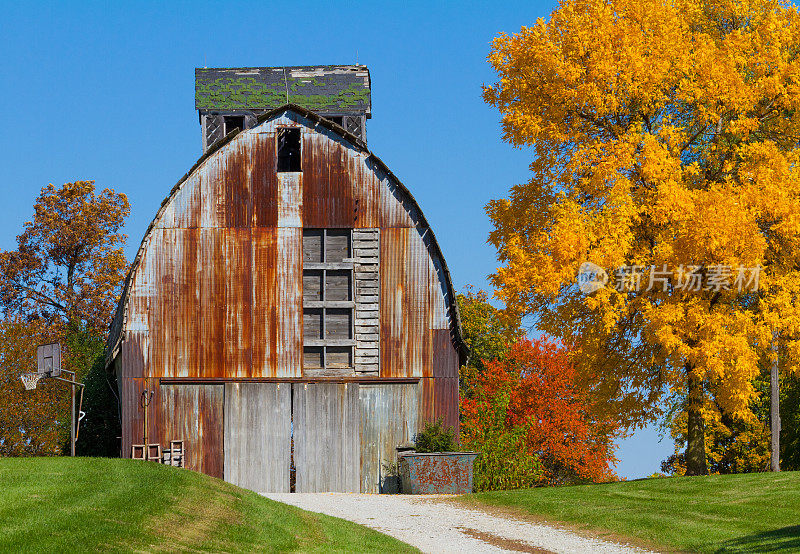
(434, 525)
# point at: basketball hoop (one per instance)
(30, 380)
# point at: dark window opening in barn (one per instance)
(328, 300)
(289, 149)
(338, 119)
(234, 123)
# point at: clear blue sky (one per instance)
(105, 91)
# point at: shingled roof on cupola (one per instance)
(342, 89)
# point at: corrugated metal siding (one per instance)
(405, 310)
(327, 186)
(445, 357)
(197, 286)
(237, 197)
(193, 413)
(440, 400)
(326, 437)
(389, 417)
(265, 305)
(217, 303)
(258, 435)
(186, 304)
(289, 298)
(130, 393)
(132, 361)
(264, 179)
(238, 302)
(213, 296)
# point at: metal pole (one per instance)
(774, 408)
(72, 427)
(145, 404)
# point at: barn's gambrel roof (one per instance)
(115, 331)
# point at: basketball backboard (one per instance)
(48, 359)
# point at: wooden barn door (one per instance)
(192, 413)
(389, 416)
(258, 435)
(326, 437)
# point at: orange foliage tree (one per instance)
(543, 412)
(31, 422)
(61, 284)
(69, 263)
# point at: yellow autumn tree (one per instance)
(665, 138)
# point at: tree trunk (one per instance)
(695, 437)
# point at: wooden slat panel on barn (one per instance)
(258, 437)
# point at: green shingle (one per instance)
(332, 88)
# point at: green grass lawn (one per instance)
(94, 504)
(759, 512)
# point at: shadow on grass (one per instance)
(786, 539)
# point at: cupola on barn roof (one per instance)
(231, 98)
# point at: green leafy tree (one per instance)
(101, 424)
(488, 331)
(790, 423)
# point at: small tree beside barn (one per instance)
(289, 308)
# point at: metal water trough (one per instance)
(436, 472)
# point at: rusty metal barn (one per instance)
(289, 308)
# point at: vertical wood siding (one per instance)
(389, 417)
(258, 435)
(326, 437)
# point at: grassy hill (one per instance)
(94, 504)
(758, 512)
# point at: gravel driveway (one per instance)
(433, 524)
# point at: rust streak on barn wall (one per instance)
(194, 414)
(394, 341)
(212, 304)
(264, 180)
(264, 303)
(327, 187)
(238, 200)
(289, 295)
(187, 303)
